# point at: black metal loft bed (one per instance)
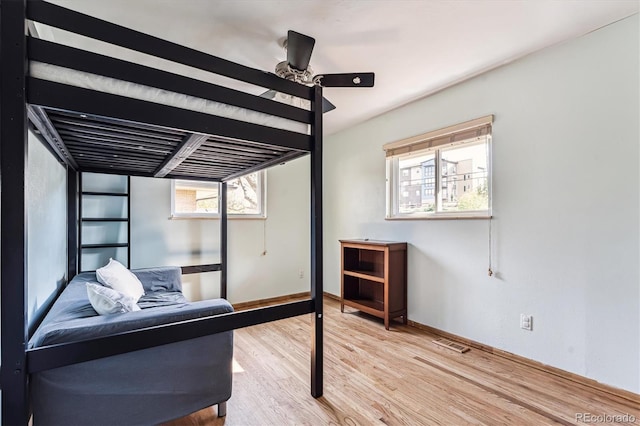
(95, 131)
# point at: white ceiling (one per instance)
(415, 47)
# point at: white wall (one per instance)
(47, 224)
(566, 216)
(157, 240)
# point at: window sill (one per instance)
(441, 217)
(230, 217)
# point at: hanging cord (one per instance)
(264, 237)
(490, 193)
(490, 248)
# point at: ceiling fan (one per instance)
(296, 68)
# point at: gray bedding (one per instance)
(142, 387)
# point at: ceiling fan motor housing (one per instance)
(286, 71)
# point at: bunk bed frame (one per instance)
(172, 142)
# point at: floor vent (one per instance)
(451, 345)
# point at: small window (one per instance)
(198, 199)
(459, 155)
(194, 197)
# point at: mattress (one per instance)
(113, 86)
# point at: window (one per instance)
(197, 199)
(459, 153)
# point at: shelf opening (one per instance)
(368, 262)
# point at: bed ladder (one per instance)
(108, 245)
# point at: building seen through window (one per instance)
(462, 181)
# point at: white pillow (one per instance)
(114, 275)
(108, 301)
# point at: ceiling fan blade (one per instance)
(327, 106)
(363, 79)
(299, 48)
(269, 94)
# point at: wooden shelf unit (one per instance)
(373, 278)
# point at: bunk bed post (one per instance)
(73, 222)
(129, 222)
(79, 226)
(316, 246)
(13, 221)
(223, 240)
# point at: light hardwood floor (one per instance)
(396, 377)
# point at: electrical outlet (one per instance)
(526, 322)
(301, 274)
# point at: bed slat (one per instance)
(280, 160)
(158, 132)
(70, 98)
(108, 32)
(83, 132)
(76, 59)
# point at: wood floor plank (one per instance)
(397, 377)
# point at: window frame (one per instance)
(394, 187)
(262, 202)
